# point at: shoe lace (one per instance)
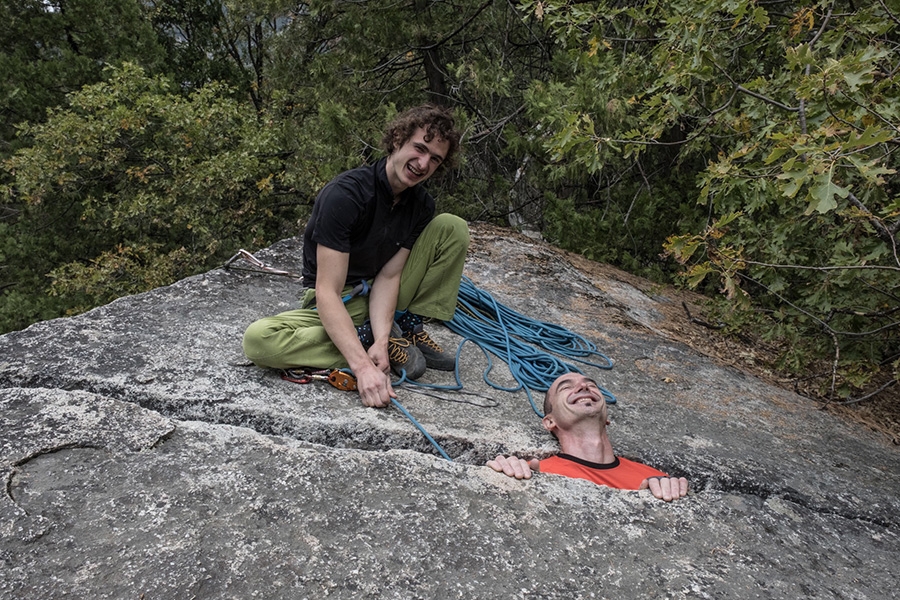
(397, 350)
(422, 338)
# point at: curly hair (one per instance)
(437, 121)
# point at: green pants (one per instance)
(429, 286)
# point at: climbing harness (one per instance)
(362, 289)
(341, 379)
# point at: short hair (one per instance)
(548, 407)
(548, 403)
(437, 121)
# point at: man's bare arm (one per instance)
(382, 304)
(374, 385)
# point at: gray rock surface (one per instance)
(144, 458)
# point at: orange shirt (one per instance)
(621, 473)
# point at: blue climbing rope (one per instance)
(420, 428)
(501, 331)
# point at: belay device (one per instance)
(342, 380)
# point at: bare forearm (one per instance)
(383, 298)
(382, 304)
(340, 328)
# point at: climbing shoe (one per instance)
(435, 356)
(403, 354)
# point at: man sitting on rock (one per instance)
(372, 227)
(575, 412)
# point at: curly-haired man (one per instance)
(377, 262)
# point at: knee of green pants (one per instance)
(430, 281)
(457, 229)
(254, 340)
(296, 338)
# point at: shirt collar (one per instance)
(384, 185)
(587, 463)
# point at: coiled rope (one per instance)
(519, 340)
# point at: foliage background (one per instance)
(743, 148)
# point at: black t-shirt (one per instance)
(355, 213)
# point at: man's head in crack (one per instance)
(576, 413)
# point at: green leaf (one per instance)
(822, 193)
(682, 247)
(857, 79)
(871, 170)
(697, 274)
(869, 137)
(795, 180)
(776, 153)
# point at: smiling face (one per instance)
(573, 397)
(415, 161)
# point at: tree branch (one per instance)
(832, 268)
(822, 27)
(825, 326)
(756, 95)
(811, 43)
(437, 43)
(694, 319)
(498, 125)
(869, 395)
(765, 99)
(458, 29)
(870, 111)
(890, 15)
